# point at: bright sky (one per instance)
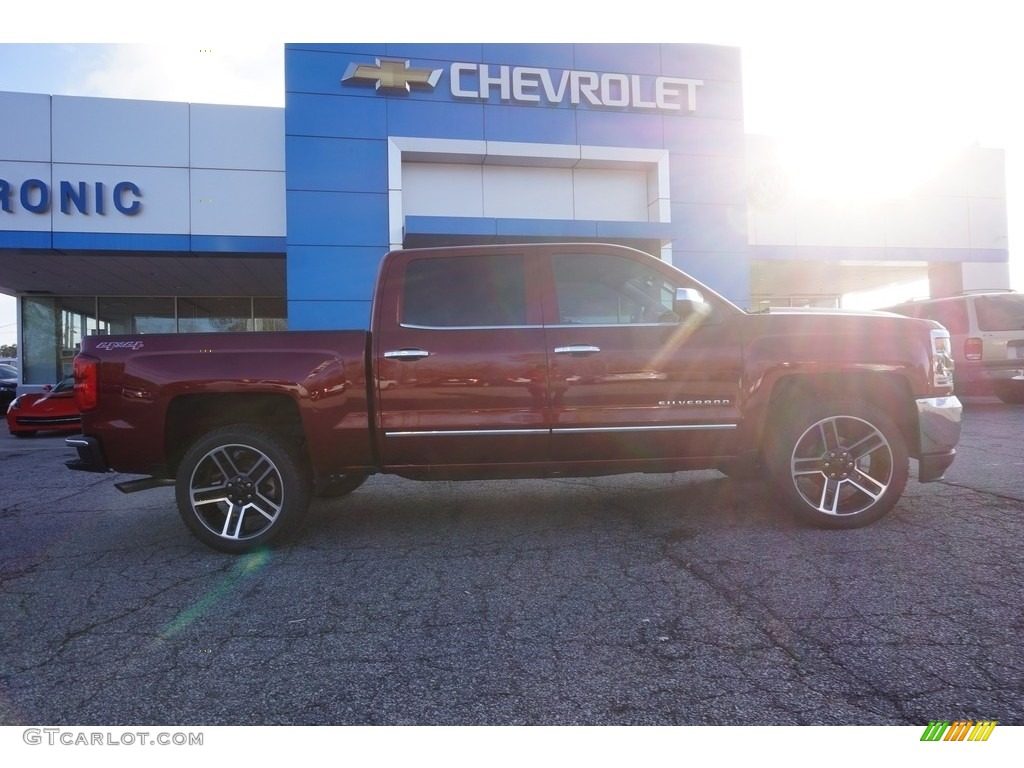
(868, 91)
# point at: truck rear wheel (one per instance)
(839, 465)
(239, 487)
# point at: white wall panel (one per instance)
(24, 127)
(164, 200)
(528, 193)
(244, 138)
(830, 223)
(510, 192)
(119, 132)
(607, 195)
(928, 222)
(989, 227)
(430, 189)
(244, 203)
(528, 181)
(396, 219)
(660, 210)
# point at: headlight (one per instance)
(15, 405)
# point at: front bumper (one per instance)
(42, 422)
(939, 421)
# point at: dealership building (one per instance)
(124, 216)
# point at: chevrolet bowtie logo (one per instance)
(392, 75)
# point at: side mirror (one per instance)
(690, 302)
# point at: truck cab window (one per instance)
(465, 292)
(610, 290)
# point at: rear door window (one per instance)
(484, 291)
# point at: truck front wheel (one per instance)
(239, 487)
(839, 465)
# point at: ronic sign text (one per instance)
(34, 195)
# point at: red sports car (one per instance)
(53, 409)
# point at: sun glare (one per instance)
(861, 168)
(886, 296)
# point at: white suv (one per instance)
(987, 332)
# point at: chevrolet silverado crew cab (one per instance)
(522, 361)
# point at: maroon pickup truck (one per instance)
(522, 361)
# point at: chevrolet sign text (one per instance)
(532, 84)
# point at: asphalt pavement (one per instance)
(684, 599)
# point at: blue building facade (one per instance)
(127, 216)
(393, 146)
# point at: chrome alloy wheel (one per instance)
(842, 465)
(241, 486)
(236, 491)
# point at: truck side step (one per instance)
(143, 484)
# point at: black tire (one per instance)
(239, 487)
(336, 486)
(1010, 392)
(842, 464)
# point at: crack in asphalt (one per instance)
(982, 491)
(626, 600)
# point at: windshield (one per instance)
(1000, 313)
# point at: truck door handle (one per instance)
(577, 349)
(406, 354)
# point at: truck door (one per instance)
(459, 360)
(630, 380)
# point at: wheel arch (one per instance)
(189, 417)
(887, 391)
